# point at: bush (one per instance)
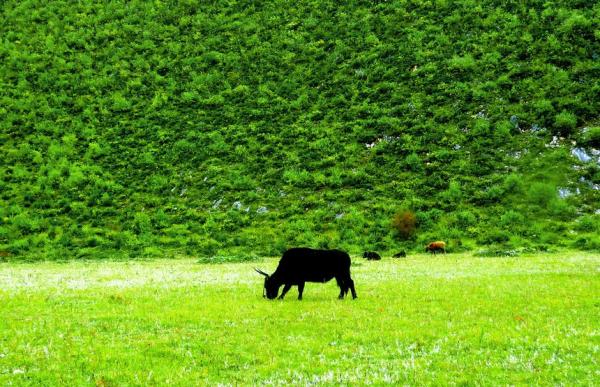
(413, 162)
(229, 258)
(592, 137)
(588, 223)
(541, 194)
(405, 223)
(513, 183)
(493, 236)
(496, 253)
(565, 122)
(453, 195)
(142, 223)
(588, 242)
(123, 239)
(19, 246)
(465, 219)
(561, 209)
(208, 247)
(512, 219)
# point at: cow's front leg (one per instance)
(342, 292)
(300, 290)
(286, 288)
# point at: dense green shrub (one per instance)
(512, 220)
(230, 258)
(541, 194)
(592, 136)
(587, 242)
(588, 224)
(199, 127)
(493, 236)
(452, 196)
(565, 122)
(561, 209)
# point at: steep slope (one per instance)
(201, 127)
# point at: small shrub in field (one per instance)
(428, 219)
(453, 195)
(413, 162)
(142, 223)
(588, 223)
(496, 253)
(565, 121)
(208, 246)
(592, 137)
(513, 183)
(511, 219)
(494, 236)
(465, 219)
(587, 242)
(561, 209)
(152, 252)
(405, 223)
(541, 193)
(19, 245)
(123, 239)
(230, 258)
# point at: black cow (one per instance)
(300, 265)
(371, 256)
(401, 254)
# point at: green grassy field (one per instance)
(454, 319)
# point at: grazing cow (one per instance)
(436, 246)
(371, 256)
(300, 265)
(401, 254)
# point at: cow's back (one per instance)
(304, 264)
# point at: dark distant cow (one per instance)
(401, 254)
(300, 265)
(436, 246)
(371, 256)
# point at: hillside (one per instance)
(149, 128)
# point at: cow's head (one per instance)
(271, 288)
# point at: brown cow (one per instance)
(436, 246)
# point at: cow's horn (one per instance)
(261, 272)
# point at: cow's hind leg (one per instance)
(351, 286)
(300, 290)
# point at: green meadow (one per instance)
(453, 319)
(152, 153)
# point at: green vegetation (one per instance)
(455, 319)
(149, 128)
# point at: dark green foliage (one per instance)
(588, 224)
(233, 258)
(565, 121)
(203, 127)
(592, 136)
(496, 253)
